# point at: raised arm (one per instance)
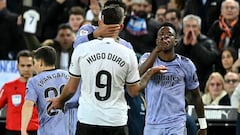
(148, 63)
(138, 87)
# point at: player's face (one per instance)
(166, 38)
(25, 67)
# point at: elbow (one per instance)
(133, 93)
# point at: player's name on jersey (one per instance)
(106, 56)
(52, 76)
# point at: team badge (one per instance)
(83, 32)
(16, 99)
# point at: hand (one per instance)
(24, 133)
(236, 66)
(95, 8)
(202, 132)
(193, 39)
(55, 104)
(106, 30)
(19, 20)
(187, 38)
(159, 69)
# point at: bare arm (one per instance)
(68, 91)
(135, 89)
(27, 111)
(3, 98)
(199, 107)
(149, 62)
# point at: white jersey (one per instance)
(105, 67)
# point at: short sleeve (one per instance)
(191, 75)
(133, 73)
(74, 68)
(31, 91)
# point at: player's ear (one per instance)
(121, 26)
(176, 41)
(41, 62)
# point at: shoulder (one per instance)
(11, 83)
(87, 44)
(87, 27)
(185, 62)
(60, 71)
(205, 38)
(183, 58)
(154, 22)
(125, 43)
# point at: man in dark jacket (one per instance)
(11, 35)
(207, 10)
(199, 48)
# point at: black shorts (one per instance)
(85, 129)
(12, 132)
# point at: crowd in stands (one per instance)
(208, 33)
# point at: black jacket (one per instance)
(11, 36)
(204, 55)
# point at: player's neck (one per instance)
(23, 79)
(167, 56)
(45, 68)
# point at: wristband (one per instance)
(90, 36)
(202, 123)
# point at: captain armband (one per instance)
(202, 123)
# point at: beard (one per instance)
(141, 14)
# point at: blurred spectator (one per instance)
(177, 5)
(11, 34)
(63, 45)
(226, 30)
(194, 44)
(140, 29)
(53, 13)
(214, 89)
(93, 14)
(228, 58)
(12, 94)
(231, 81)
(14, 6)
(207, 10)
(157, 3)
(174, 17)
(159, 15)
(76, 18)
